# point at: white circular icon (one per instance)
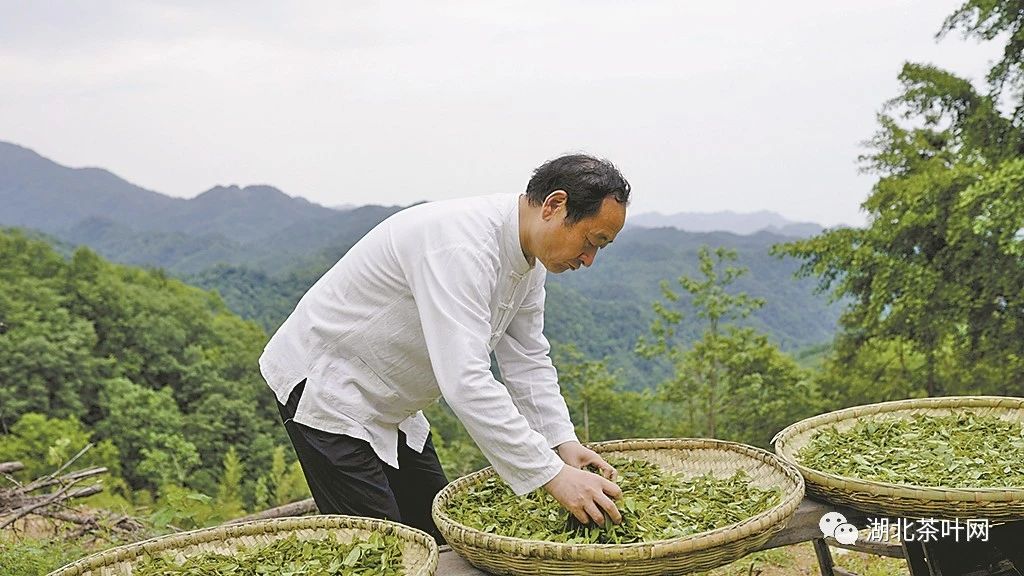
(846, 533)
(829, 522)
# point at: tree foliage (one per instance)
(601, 407)
(936, 279)
(160, 375)
(229, 489)
(43, 444)
(732, 382)
(987, 20)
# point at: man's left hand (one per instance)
(577, 455)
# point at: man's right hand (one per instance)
(585, 495)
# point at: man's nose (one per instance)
(588, 257)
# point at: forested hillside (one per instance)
(162, 375)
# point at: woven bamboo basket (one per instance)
(419, 552)
(906, 500)
(686, 457)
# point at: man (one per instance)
(411, 314)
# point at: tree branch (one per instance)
(58, 496)
(294, 509)
(8, 467)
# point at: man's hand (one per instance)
(585, 495)
(577, 455)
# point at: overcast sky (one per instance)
(705, 106)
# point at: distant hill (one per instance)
(631, 271)
(132, 225)
(38, 193)
(727, 221)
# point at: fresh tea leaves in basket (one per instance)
(655, 505)
(956, 451)
(377, 555)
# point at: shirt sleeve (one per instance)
(525, 364)
(452, 289)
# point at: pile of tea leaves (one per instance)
(962, 450)
(377, 555)
(655, 505)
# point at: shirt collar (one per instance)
(511, 246)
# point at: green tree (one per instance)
(292, 487)
(699, 377)
(877, 371)
(732, 382)
(767, 389)
(161, 370)
(990, 19)
(48, 365)
(221, 423)
(229, 489)
(138, 419)
(282, 484)
(597, 402)
(937, 273)
(48, 362)
(167, 459)
(275, 479)
(43, 444)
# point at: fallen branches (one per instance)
(50, 497)
(71, 478)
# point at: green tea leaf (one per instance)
(656, 505)
(378, 555)
(958, 450)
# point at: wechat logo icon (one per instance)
(834, 524)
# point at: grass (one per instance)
(24, 556)
(37, 546)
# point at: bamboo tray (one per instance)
(703, 551)
(419, 553)
(904, 500)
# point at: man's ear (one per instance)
(553, 203)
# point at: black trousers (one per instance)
(346, 476)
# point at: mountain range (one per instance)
(89, 204)
(133, 225)
(727, 221)
(261, 249)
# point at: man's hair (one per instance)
(586, 180)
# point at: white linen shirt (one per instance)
(411, 313)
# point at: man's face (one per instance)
(569, 247)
